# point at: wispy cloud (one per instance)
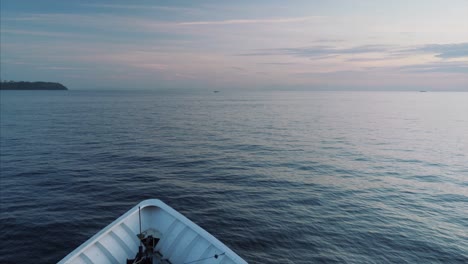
(278, 63)
(151, 66)
(445, 51)
(328, 40)
(440, 67)
(320, 51)
(252, 21)
(143, 24)
(369, 59)
(376, 53)
(41, 33)
(60, 68)
(16, 62)
(237, 68)
(140, 7)
(239, 42)
(82, 20)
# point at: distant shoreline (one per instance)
(32, 86)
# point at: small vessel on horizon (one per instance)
(153, 232)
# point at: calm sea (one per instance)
(280, 177)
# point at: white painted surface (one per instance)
(182, 241)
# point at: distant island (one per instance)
(35, 86)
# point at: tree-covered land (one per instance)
(12, 85)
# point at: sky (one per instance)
(255, 44)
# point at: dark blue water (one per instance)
(300, 177)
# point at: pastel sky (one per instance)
(255, 44)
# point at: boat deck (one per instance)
(180, 240)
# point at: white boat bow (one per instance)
(166, 237)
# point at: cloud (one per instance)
(238, 68)
(367, 53)
(152, 66)
(278, 63)
(82, 20)
(444, 51)
(60, 68)
(119, 6)
(320, 51)
(440, 67)
(41, 33)
(197, 47)
(328, 40)
(250, 21)
(369, 59)
(144, 7)
(15, 62)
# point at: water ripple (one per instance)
(279, 177)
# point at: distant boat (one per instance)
(215, 91)
(422, 91)
(153, 232)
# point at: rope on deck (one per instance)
(215, 256)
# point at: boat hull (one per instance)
(181, 240)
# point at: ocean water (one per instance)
(280, 177)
